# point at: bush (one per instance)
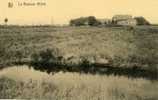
(45, 60)
(85, 65)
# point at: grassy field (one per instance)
(23, 83)
(117, 46)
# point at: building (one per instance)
(117, 18)
(125, 20)
(128, 22)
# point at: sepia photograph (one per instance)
(79, 49)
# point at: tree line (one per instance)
(91, 21)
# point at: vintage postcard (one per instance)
(79, 49)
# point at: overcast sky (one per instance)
(61, 11)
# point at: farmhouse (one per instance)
(125, 20)
(117, 18)
(128, 22)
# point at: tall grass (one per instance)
(123, 48)
(49, 62)
(74, 86)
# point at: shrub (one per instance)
(85, 65)
(45, 60)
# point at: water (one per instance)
(23, 73)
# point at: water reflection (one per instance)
(23, 73)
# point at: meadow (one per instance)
(24, 83)
(87, 63)
(109, 47)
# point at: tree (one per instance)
(6, 20)
(78, 22)
(72, 23)
(83, 21)
(91, 20)
(141, 21)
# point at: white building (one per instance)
(125, 20)
(128, 22)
